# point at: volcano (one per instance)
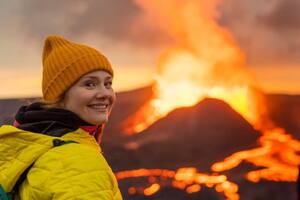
(194, 136)
(208, 132)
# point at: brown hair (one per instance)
(53, 104)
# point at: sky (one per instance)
(267, 31)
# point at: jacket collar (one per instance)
(51, 121)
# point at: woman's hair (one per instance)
(58, 103)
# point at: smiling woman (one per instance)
(77, 101)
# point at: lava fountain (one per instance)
(205, 61)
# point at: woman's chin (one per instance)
(98, 120)
(95, 118)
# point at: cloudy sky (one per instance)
(268, 31)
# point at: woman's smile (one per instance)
(91, 97)
(100, 107)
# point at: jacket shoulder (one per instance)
(18, 150)
(73, 170)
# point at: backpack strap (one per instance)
(15, 189)
(8, 196)
(57, 142)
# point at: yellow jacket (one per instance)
(72, 171)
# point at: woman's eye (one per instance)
(90, 84)
(108, 84)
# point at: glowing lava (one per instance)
(187, 179)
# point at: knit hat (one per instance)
(64, 62)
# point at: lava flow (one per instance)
(205, 61)
(187, 179)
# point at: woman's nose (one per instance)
(103, 93)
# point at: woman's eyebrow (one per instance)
(95, 77)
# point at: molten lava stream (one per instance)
(187, 179)
(277, 154)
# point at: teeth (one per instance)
(102, 106)
(99, 106)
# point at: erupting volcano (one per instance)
(205, 62)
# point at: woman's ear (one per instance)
(61, 101)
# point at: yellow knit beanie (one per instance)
(64, 62)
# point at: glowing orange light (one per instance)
(193, 188)
(188, 179)
(152, 189)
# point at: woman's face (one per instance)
(91, 97)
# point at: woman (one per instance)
(52, 151)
